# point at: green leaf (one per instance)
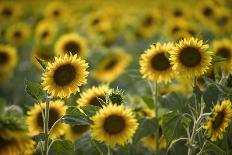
(146, 127)
(172, 101)
(83, 142)
(198, 93)
(34, 89)
(149, 101)
(90, 110)
(217, 59)
(43, 63)
(61, 147)
(39, 137)
(99, 147)
(2, 105)
(211, 147)
(73, 110)
(76, 120)
(211, 95)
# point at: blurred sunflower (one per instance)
(45, 31)
(219, 120)
(18, 33)
(146, 112)
(191, 57)
(112, 65)
(223, 48)
(179, 10)
(9, 11)
(64, 76)
(35, 118)
(154, 63)
(91, 95)
(75, 132)
(8, 57)
(113, 125)
(71, 43)
(5, 75)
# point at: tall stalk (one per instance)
(46, 130)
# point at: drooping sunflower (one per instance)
(15, 142)
(71, 43)
(8, 57)
(91, 95)
(191, 57)
(154, 63)
(64, 76)
(113, 124)
(112, 65)
(17, 34)
(223, 48)
(219, 120)
(9, 11)
(35, 118)
(75, 132)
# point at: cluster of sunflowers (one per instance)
(102, 90)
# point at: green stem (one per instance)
(108, 151)
(46, 130)
(157, 116)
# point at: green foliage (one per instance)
(43, 63)
(148, 100)
(61, 147)
(116, 96)
(35, 90)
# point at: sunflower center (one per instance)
(64, 75)
(208, 12)
(149, 20)
(114, 124)
(190, 56)
(7, 12)
(53, 117)
(4, 142)
(56, 13)
(178, 13)
(44, 34)
(96, 21)
(72, 47)
(222, 21)
(218, 120)
(175, 29)
(80, 128)
(94, 101)
(160, 62)
(3, 58)
(17, 34)
(224, 52)
(111, 64)
(45, 55)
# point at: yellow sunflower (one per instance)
(75, 132)
(8, 57)
(191, 57)
(146, 112)
(112, 65)
(223, 48)
(17, 34)
(150, 142)
(114, 124)
(15, 143)
(5, 75)
(64, 76)
(71, 43)
(154, 63)
(219, 120)
(35, 118)
(9, 11)
(91, 95)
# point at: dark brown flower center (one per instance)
(64, 74)
(218, 120)
(7, 12)
(48, 56)
(148, 21)
(53, 117)
(111, 64)
(224, 52)
(96, 21)
(79, 129)
(114, 124)
(190, 56)
(94, 101)
(208, 12)
(223, 21)
(4, 57)
(17, 34)
(44, 34)
(178, 13)
(175, 29)
(72, 47)
(5, 142)
(56, 13)
(160, 62)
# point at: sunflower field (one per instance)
(107, 77)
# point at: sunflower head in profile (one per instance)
(8, 57)
(9, 11)
(17, 34)
(223, 48)
(91, 95)
(154, 63)
(112, 65)
(113, 124)
(146, 112)
(191, 57)
(75, 132)
(71, 43)
(219, 120)
(35, 118)
(223, 21)
(65, 75)
(14, 142)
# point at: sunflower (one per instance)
(219, 120)
(91, 95)
(5, 75)
(112, 65)
(64, 76)
(45, 31)
(75, 132)
(15, 142)
(191, 58)
(8, 57)
(113, 124)
(223, 48)
(9, 11)
(146, 112)
(17, 34)
(71, 43)
(35, 118)
(154, 63)
(150, 142)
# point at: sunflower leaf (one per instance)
(76, 120)
(90, 110)
(149, 101)
(217, 59)
(60, 147)
(43, 63)
(213, 148)
(34, 89)
(99, 147)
